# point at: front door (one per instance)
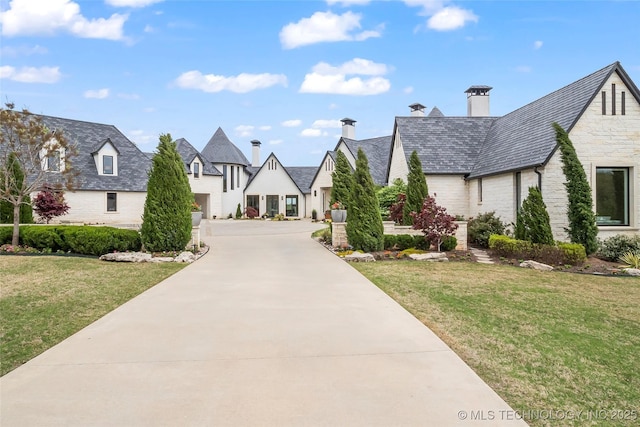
(273, 207)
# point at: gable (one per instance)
(272, 178)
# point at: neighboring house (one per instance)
(479, 164)
(112, 173)
(377, 151)
(275, 189)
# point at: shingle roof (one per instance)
(525, 137)
(302, 176)
(133, 164)
(445, 145)
(378, 152)
(188, 153)
(220, 149)
(435, 112)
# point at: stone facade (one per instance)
(90, 207)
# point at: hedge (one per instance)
(560, 254)
(84, 240)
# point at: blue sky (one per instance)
(286, 72)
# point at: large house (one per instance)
(474, 164)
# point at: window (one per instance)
(238, 176)
(253, 201)
(612, 196)
(233, 169)
(112, 202)
(107, 165)
(479, 190)
(622, 106)
(53, 161)
(518, 184)
(613, 99)
(196, 170)
(292, 205)
(604, 103)
(224, 178)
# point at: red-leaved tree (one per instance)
(396, 209)
(434, 221)
(251, 212)
(50, 203)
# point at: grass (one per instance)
(541, 340)
(45, 299)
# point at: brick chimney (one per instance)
(478, 101)
(348, 128)
(417, 110)
(255, 161)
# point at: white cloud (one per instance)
(291, 123)
(276, 141)
(97, 94)
(23, 50)
(325, 27)
(347, 3)
(333, 106)
(429, 7)
(537, 44)
(131, 3)
(149, 29)
(244, 130)
(313, 133)
(265, 127)
(360, 66)
(408, 89)
(451, 18)
(139, 136)
(242, 83)
(47, 17)
(325, 78)
(326, 124)
(523, 69)
(30, 74)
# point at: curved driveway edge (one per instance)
(267, 329)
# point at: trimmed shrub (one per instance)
(6, 233)
(533, 219)
(480, 228)
(562, 254)
(449, 243)
(421, 242)
(614, 247)
(98, 241)
(238, 212)
(573, 253)
(44, 237)
(390, 241)
(405, 241)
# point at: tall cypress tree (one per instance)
(6, 208)
(533, 219)
(342, 179)
(166, 223)
(417, 189)
(364, 223)
(582, 220)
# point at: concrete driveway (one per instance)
(267, 329)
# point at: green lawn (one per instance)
(542, 340)
(45, 299)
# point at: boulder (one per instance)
(185, 256)
(126, 257)
(632, 271)
(161, 259)
(430, 256)
(536, 265)
(359, 257)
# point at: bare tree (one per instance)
(43, 155)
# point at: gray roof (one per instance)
(188, 153)
(435, 112)
(378, 152)
(133, 164)
(220, 149)
(445, 145)
(525, 137)
(302, 176)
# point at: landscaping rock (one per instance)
(185, 256)
(126, 257)
(359, 257)
(161, 259)
(430, 256)
(632, 271)
(536, 265)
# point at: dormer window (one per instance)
(196, 170)
(107, 165)
(52, 156)
(53, 161)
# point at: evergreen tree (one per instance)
(533, 219)
(582, 220)
(166, 223)
(6, 208)
(364, 223)
(238, 212)
(417, 189)
(388, 196)
(342, 181)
